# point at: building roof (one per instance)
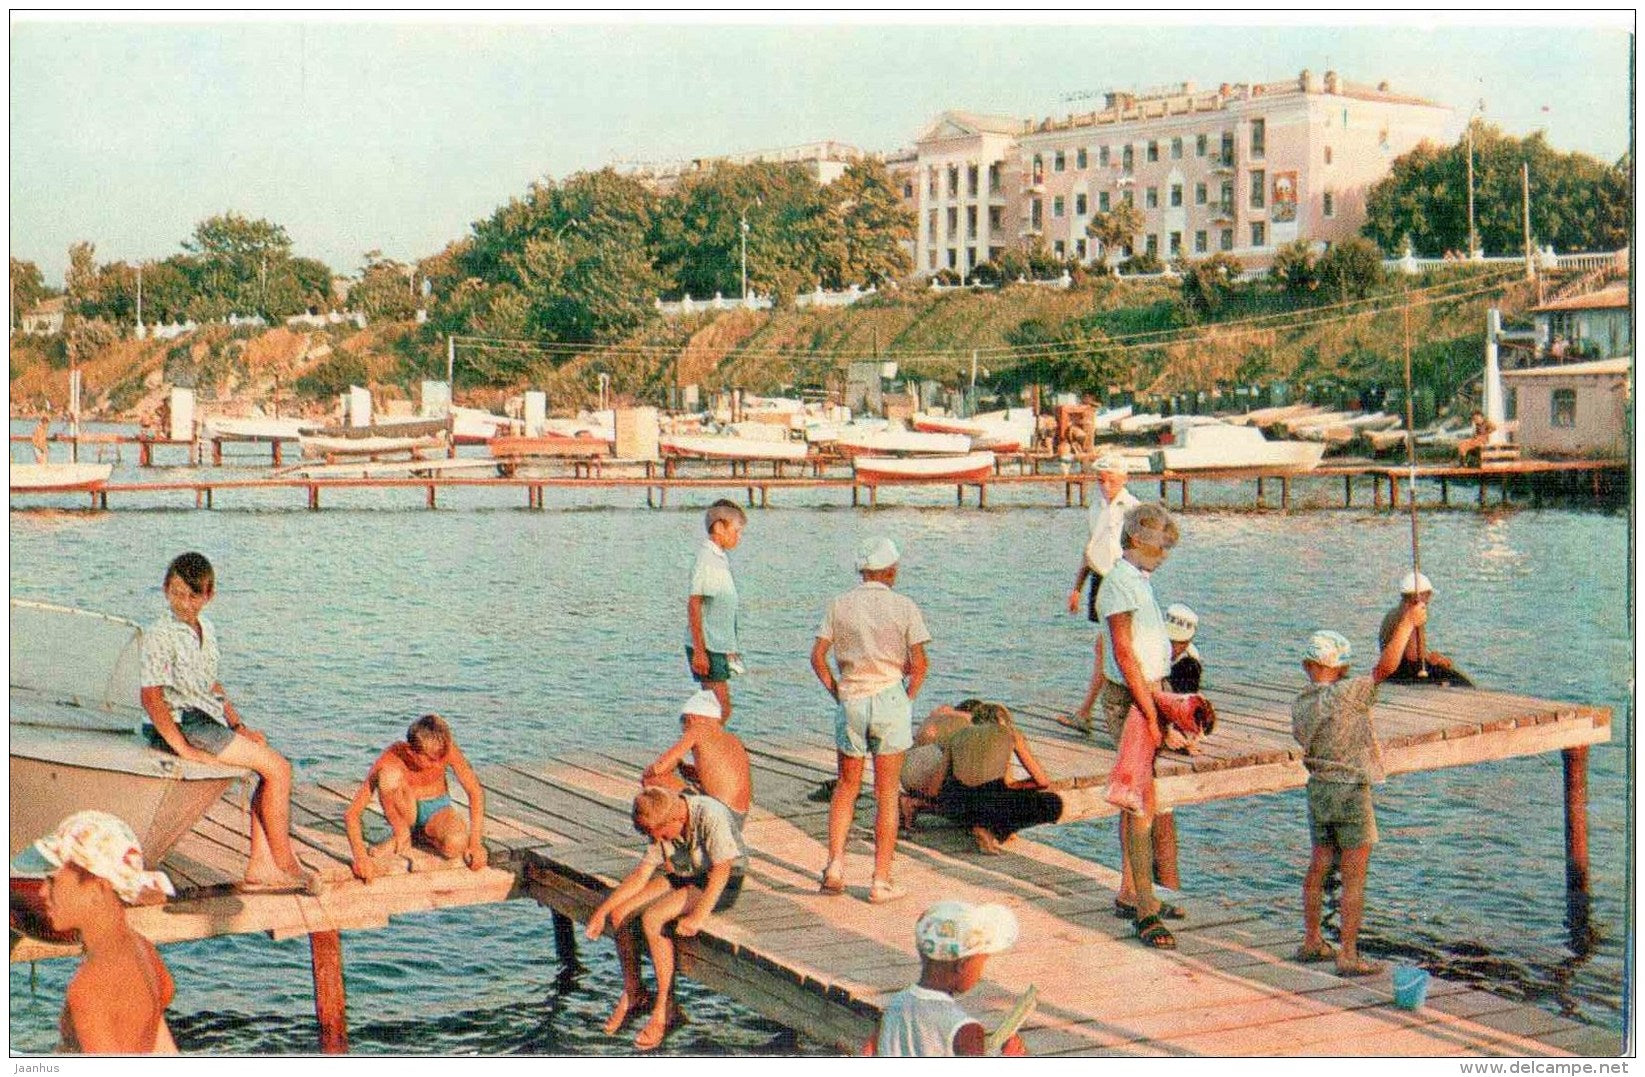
(956, 123)
(1612, 298)
(1622, 364)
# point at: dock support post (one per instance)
(1376, 490)
(1482, 490)
(1067, 495)
(216, 452)
(431, 495)
(208, 497)
(145, 454)
(1162, 494)
(313, 498)
(1347, 491)
(1576, 845)
(874, 496)
(982, 495)
(565, 940)
(325, 950)
(1285, 493)
(1259, 491)
(1165, 850)
(1185, 495)
(1444, 490)
(959, 493)
(103, 499)
(197, 496)
(1393, 494)
(750, 497)
(276, 450)
(854, 489)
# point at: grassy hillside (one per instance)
(1258, 336)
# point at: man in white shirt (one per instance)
(1102, 550)
(878, 638)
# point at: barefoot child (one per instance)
(409, 780)
(711, 647)
(1181, 623)
(954, 940)
(190, 716)
(116, 1000)
(1331, 719)
(697, 843)
(719, 766)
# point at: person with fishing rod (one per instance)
(1417, 664)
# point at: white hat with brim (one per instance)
(952, 930)
(1329, 649)
(102, 845)
(704, 704)
(1110, 464)
(1415, 583)
(1180, 622)
(876, 554)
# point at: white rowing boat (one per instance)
(723, 447)
(1229, 448)
(59, 478)
(1010, 430)
(894, 441)
(967, 467)
(223, 428)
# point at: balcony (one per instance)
(1223, 163)
(1222, 212)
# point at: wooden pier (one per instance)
(558, 832)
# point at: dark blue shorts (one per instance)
(728, 896)
(202, 731)
(719, 668)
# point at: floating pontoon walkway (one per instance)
(559, 832)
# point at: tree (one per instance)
(1577, 202)
(871, 225)
(1116, 228)
(1351, 269)
(1066, 356)
(1294, 267)
(28, 288)
(237, 258)
(1208, 282)
(386, 289)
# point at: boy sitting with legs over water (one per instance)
(1331, 719)
(409, 780)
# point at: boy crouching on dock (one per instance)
(698, 844)
(954, 940)
(409, 780)
(1331, 719)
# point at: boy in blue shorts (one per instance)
(1331, 719)
(711, 647)
(409, 780)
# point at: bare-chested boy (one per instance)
(409, 779)
(719, 765)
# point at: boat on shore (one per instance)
(59, 478)
(547, 446)
(967, 467)
(75, 743)
(731, 447)
(1010, 430)
(411, 436)
(895, 441)
(1226, 448)
(224, 428)
(471, 426)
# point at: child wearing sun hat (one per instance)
(954, 940)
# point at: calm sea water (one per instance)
(537, 632)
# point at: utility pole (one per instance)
(744, 219)
(139, 302)
(1525, 201)
(451, 364)
(1473, 238)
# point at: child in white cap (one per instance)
(954, 941)
(116, 1000)
(719, 762)
(1415, 589)
(878, 638)
(1331, 719)
(1181, 624)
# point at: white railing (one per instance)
(333, 317)
(1546, 260)
(814, 298)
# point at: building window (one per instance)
(1259, 192)
(996, 219)
(1153, 149)
(1102, 201)
(1081, 161)
(1227, 241)
(953, 222)
(994, 178)
(1176, 194)
(1079, 205)
(1036, 213)
(1079, 249)
(1563, 408)
(1259, 234)
(971, 181)
(908, 189)
(970, 222)
(1176, 148)
(953, 181)
(931, 225)
(1059, 249)
(1130, 196)
(1330, 205)
(1127, 157)
(1039, 169)
(1057, 206)
(953, 258)
(1510, 405)
(1199, 194)
(1153, 244)
(932, 257)
(1201, 244)
(1176, 242)
(1151, 200)
(1327, 155)
(1227, 196)
(1259, 138)
(931, 183)
(1059, 162)
(1227, 155)
(1200, 143)
(1102, 156)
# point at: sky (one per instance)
(395, 133)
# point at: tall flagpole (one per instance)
(1411, 455)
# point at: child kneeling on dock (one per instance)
(698, 844)
(409, 780)
(954, 940)
(1331, 719)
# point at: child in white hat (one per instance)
(719, 762)
(1331, 719)
(1417, 665)
(1181, 623)
(954, 940)
(116, 1000)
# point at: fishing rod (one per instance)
(1411, 457)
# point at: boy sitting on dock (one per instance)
(409, 781)
(1331, 719)
(711, 647)
(1181, 624)
(954, 940)
(719, 762)
(1417, 665)
(698, 844)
